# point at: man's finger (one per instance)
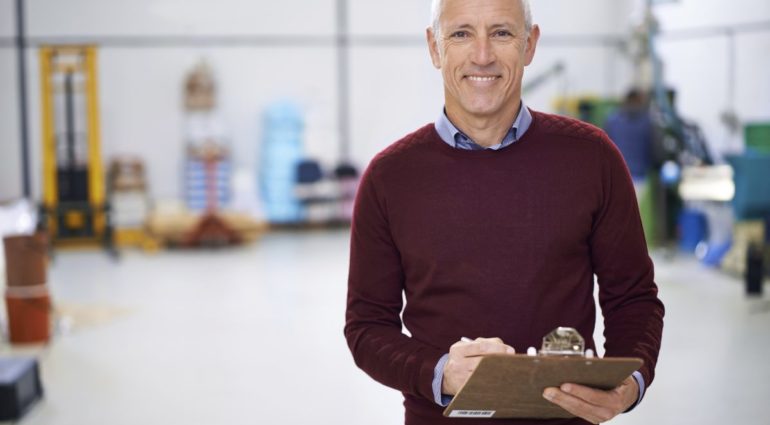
(592, 395)
(492, 340)
(480, 346)
(578, 407)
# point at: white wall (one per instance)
(394, 89)
(10, 172)
(141, 102)
(140, 88)
(10, 155)
(698, 68)
(179, 17)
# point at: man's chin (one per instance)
(484, 110)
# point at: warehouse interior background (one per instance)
(156, 328)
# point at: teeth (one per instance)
(474, 78)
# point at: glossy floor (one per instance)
(254, 336)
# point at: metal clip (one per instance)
(563, 342)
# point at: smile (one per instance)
(479, 78)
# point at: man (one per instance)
(491, 223)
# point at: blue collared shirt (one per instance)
(455, 138)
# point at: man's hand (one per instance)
(463, 359)
(594, 405)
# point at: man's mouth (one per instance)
(482, 78)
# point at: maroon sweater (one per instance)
(495, 244)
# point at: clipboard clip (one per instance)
(563, 341)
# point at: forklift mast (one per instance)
(74, 205)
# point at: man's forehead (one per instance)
(488, 12)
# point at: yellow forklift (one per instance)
(74, 209)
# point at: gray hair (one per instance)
(438, 5)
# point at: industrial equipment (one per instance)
(74, 206)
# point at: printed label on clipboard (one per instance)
(471, 413)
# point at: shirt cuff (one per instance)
(639, 381)
(438, 377)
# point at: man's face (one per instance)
(482, 49)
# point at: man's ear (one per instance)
(534, 36)
(435, 55)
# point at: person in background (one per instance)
(630, 127)
(490, 224)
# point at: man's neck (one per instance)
(485, 131)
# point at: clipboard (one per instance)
(512, 385)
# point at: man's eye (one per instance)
(459, 34)
(503, 33)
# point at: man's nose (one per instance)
(483, 52)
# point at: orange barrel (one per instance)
(26, 259)
(29, 314)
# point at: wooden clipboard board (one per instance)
(511, 386)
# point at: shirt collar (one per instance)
(455, 138)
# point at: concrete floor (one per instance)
(254, 336)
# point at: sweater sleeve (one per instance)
(628, 295)
(375, 285)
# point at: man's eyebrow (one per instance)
(501, 25)
(459, 27)
(504, 25)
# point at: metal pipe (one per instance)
(309, 40)
(731, 66)
(69, 113)
(715, 31)
(22, 78)
(289, 41)
(343, 80)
